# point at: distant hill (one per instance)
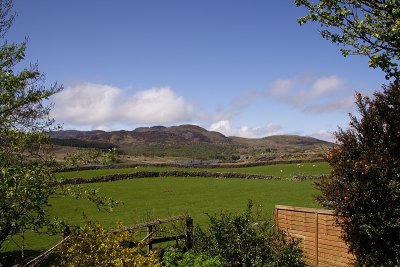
(190, 141)
(175, 135)
(282, 141)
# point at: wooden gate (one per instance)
(187, 235)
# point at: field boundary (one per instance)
(200, 165)
(319, 233)
(153, 174)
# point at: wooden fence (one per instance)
(321, 236)
(186, 235)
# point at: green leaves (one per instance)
(247, 239)
(23, 197)
(177, 258)
(366, 27)
(25, 165)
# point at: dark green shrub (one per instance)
(364, 186)
(177, 258)
(247, 239)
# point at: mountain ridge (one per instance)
(190, 142)
(183, 135)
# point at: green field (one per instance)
(148, 198)
(280, 170)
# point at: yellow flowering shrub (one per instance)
(92, 245)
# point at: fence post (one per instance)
(189, 232)
(149, 231)
(316, 238)
(67, 231)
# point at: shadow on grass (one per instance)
(12, 258)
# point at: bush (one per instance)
(247, 239)
(92, 245)
(364, 186)
(177, 258)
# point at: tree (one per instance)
(25, 166)
(361, 27)
(364, 186)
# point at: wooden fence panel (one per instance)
(321, 237)
(187, 235)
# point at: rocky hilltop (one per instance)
(193, 142)
(176, 135)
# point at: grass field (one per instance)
(148, 198)
(280, 170)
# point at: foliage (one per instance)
(177, 258)
(92, 245)
(362, 27)
(24, 119)
(26, 165)
(247, 239)
(91, 157)
(81, 143)
(197, 151)
(364, 186)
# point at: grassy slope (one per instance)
(148, 198)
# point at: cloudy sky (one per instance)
(244, 68)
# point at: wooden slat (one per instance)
(294, 221)
(322, 241)
(327, 217)
(331, 226)
(299, 232)
(309, 210)
(297, 217)
(309, 246)
(331, 236)
(327, 232)
(298, 226)
(324, 262)
(334, 245)
(334, 251)
(166, 239)
(152, 223)
(335, 258)
(341, 252)
(309, 261)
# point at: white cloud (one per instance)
(326, 85)
(312, 95)
(282, 87)
(342, 104)
(86, 103)
(226, 128)
(102, 106)
(156, 106)
(324, 135)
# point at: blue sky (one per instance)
(244, 68)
